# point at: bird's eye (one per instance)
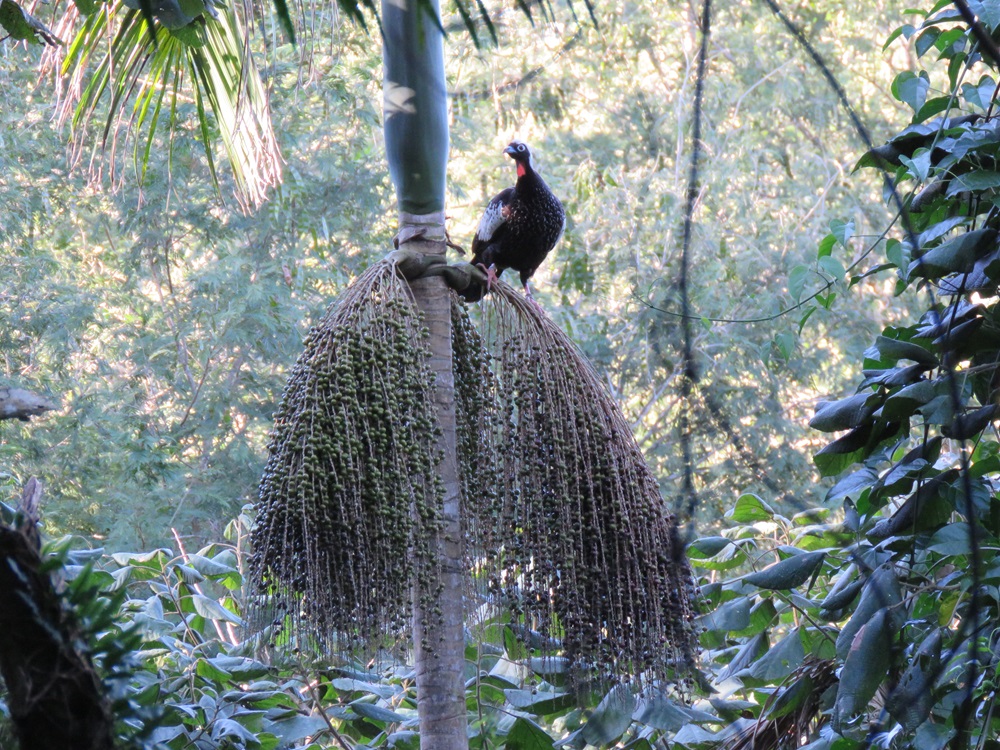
(520, 147)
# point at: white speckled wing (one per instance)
(494, 216)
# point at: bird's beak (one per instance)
(510, 150)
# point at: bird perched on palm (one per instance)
(520, 224)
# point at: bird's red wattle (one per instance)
(520, 170)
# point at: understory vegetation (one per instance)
(848, 584)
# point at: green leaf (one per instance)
(881, 593)
(834, 416)
(833, 267)
(856, 446)
(952, 539)
(762, 615)
(912, 700)
(825, 247)
(788, 573)
(797, 278)
(785, 343)
(747, 654)
(905, 31)
(527, 735)
(977, 181)
(731, 616)
(971, 423)
(187, 574)
(22, 25)
(840, 596)
(889, 351)
(865, 667)
(352, 685)
(611, 718)
(750, 508)
(980, 94)
(920, 165)
(932, 736)
(708, 546)
(988, 12)
(540, 702)
(908, 399)
(842, 231)
(911, 89)
(212, 610)
(86, 7)
(852, 485)
(663, 714)
(377, 713)
(955, 256)
(781, 660)
(934, 106)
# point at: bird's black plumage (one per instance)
(521, 224)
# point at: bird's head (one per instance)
(521, 155)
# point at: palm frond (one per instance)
(128, 76)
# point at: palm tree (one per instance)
(200, 44)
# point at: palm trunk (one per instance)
(416, 136)
(438, 628)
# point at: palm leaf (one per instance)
(132, 74)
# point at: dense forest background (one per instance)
(163, 318)
(846, 587)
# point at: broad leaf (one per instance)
(787, 574)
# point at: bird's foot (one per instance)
(491, 275)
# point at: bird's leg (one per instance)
(491, 275)
(527, 293)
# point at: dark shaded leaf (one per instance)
(748, 653)
(925, 509)
(20, 24)
(865, 667)
(971, 423)
(958, 255)
(855, 446)
(708, 546)
(834, 416)
(952, 540)
(890, 351)
(838, 598)
(789, 573)
(781, 660)
(733, 615)
(540, 702)
(611, 718)
(376, 713)
(881, 592)
(906, 401)
(911, 700)
(852, 485)
(527, 735)
(661, 713)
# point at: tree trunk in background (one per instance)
(416, 137)
(54, 694)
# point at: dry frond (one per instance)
(792, 718)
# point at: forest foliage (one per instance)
(840, 616)
(164, 320)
